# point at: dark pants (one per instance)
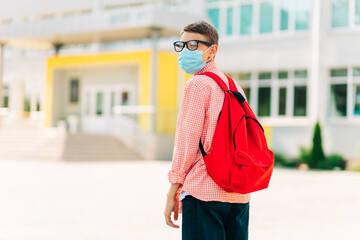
(214, 220)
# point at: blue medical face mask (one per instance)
(191, 61)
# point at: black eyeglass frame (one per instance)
(186, 44)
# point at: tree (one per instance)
(317, 157)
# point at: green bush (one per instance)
(336, 160)
(304, 154)
(282, 161)
(315, 157)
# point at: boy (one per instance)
(208, 211)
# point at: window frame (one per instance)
(350, 80)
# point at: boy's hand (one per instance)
(171, 206)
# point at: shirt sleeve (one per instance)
(189, 127)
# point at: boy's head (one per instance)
(204, 31)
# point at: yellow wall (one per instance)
(268, 130)
(142, 59)
(166, 92)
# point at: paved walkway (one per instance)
(125, 200)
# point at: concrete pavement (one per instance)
(43, 200)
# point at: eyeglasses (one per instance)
(192, 45)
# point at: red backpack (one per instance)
(240, 160)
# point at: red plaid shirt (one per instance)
(198, 115)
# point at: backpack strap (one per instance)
(221, 82)
(232, 84)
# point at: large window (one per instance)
(357, 12)
(248, 17)
(246, 13)
(284, 15)
(214, 17)
(345, 92)
(345, 13)
(229, 21)
(289, 87)
(302, 14)
(340, 13)
(266, 17)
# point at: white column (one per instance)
(314, 80)
(1, 72)
(33, 98)
(154, 75)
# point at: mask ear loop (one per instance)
(212, 56)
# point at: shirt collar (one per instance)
(209, 67)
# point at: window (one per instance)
(244, 76)
(284, 15)
(287, 83)
(229, 22)
(356, 75)
(247, 93)
(244, 82)
(74, 90)
(99, 103)
(300, 74)
(300, 101)
(266, 17)
(356, 72)
(302, 14)
(125, 98)
(264, 101)
(341, 72)
(5, 97)
(246, 19)
(357, 12)
(6, 101)
(214, 17)
(265, 76)
(264, 93)
(112, 102)
(282, 101)
(283, 75)
(338, 102)
(338, 92)
(357, 100)
(340, 13)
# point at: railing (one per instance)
(133, 126)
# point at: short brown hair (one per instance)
(204, 28)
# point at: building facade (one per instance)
(295, 59)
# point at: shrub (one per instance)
(317, 157)
(336, 160)
(305, 155)
(282, 161)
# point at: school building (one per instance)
(108, 67)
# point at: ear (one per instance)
(213, 50)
